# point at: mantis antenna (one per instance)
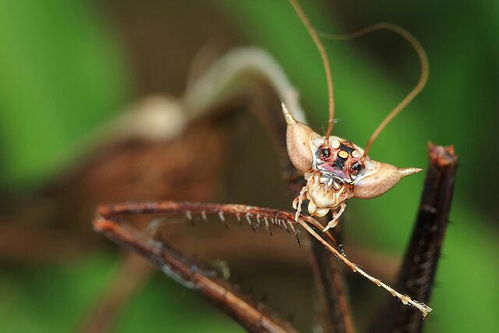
(327, 68)
(423, 78)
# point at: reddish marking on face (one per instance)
(342, 160)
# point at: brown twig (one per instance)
(418, 269)
(330, 280)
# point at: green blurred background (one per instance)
(67, 67)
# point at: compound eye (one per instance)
(325, 153)
(356, 167)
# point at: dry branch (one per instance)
(417, 273)
(331, 285)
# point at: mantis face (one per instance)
(336, 170)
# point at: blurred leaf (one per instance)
(50, 298)
(55, 298)
(60, 75)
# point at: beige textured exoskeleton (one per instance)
(335, 170)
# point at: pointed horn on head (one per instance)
(298, 139)
(290, 120)
(379, 179)
(409, 171)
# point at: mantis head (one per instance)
(339, 163)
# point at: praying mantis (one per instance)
(335, 169)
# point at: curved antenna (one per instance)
(423, 60)
(325, 61)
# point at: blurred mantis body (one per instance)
(335, 169)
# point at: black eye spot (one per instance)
(325, 153)
(356, 167)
